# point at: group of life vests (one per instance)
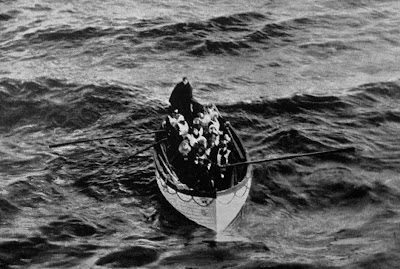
(200, 149)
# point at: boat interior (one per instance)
(172, 172)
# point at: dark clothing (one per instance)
(224, 177)
(182, 99)
(203, 176)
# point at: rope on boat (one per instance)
(192, 198)
(177, 194)
(235, 195)
(203, 202)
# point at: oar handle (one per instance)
(348, 149)
(149, 146)
(100, 138)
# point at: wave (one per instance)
(217, 24)
(6, 208)
(269, 31)
(232, 35)
(31, 250)
(55, 103)
(219, 47)
(239, 19)
(379, 99)
(130, 256)
(67, 227)
(27, 102)
(380, 89)
(293, 105)
(326, 49)
(366, 118)
(227, 35)
(5, 17)
(318, 189)
(66, 33)
(376, 103)
(201, 38)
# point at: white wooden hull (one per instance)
(215, 213)
(215, 210)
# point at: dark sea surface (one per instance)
(292, 77)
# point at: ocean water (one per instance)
(292, 77)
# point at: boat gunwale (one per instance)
(197, 193)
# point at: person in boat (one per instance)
(183, 164)
(184, 149)
(176, 127)
(202, 119)
(202, 167)
(213, 138)
(195, 134)
(213, 115)
(222, 155)
(182, 99)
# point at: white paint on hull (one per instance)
(213, 213)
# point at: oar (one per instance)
(349, 149)
(97, 139)
(149, 146)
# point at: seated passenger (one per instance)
(173, 117)
(213, 138)
(185, 148)
(197, 120)
(222, 155)
(203, 120)
(202, 167)
(195, 134)
(174, 139)
(211, 110)
(215, 122)
(182, 126)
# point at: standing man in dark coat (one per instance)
(182, 99)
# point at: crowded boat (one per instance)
(198, 149)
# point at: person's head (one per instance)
(212, 129)
(202, 142)
(184, 147)
(225, 139)
(183, 127)
(185, 80)
(213, 140)
(179, 118)
(196, 121)
(196, 129)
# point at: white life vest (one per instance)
(223, 158)
(192, 140)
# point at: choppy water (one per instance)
(291, 76)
